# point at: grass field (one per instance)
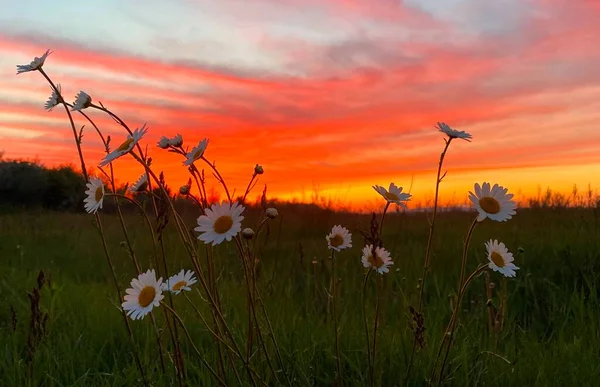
(551, 334)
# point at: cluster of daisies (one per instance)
(490, 202)
(223, 221)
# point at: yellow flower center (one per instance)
(336, 241)
(223, 224)
(99, 194)
(146, 296)
(497, 259)
(391, 196)
(198, 153)
(125, 146)
(489, 205)
(376, 262)
(179, 285)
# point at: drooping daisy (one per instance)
(35, 64)
(501, 260)
(196, 153)
(163, 143)
(126, 146)
(82, 101)
(221, 222)
(176, 141)
(95, 195)
(140, 185)
(381, 262)
(452, 133)
(339, 238)
(394, 195)
(144, 294)
(493, 203)
(179, 282)
(54, 99)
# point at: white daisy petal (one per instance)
(220, 222)
(339, 238)
(380, 262)
(492, 203)
(196, 153)
(82, 101)
(54, 99)
(180, 281)
(500, 259)
(95, 195)
(36, 64)
(140, 185)
(452, 133)
(126, 146)
(145, 294)
(394, 195)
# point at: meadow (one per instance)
(550, 334)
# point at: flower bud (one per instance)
(163, 143)
(176, 141)
(184, 190)
(258, 169)
(272, 213)
(248, 233)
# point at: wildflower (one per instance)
(493, 203)
(394, 195)
(248, 233)
(452, 133)
(339, 238)
(221, 222)
(82, 101)
(95, 195)
(272, 213)
(380, 262)
(163, 142)
(126, 146)
(54, 99)
(179, 282)
(258, 169)
(196, 153)
(501, 260)
(140, 185)
(144, 294)
(176, 141)
(35, 64)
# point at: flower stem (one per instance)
(364, 318)
(340, 376)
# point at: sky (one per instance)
(330, 96)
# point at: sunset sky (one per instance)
(333, 95)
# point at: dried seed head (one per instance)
(184, 190)
(248, 233)
(258, 169)
(272, 213)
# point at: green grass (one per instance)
(551, 334)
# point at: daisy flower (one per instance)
(140, 185)
(179, 282)
(53, 100)
(339, 238)
(35, 64)
(493, 203)
(82, 101)
(394, 195)
(125, 147)
(196, 153)
(500, 259)
(95, 195)
(381, 262)
(221, 222)
(163, 143)
(452, 133)
(176, 141)
(144, 294)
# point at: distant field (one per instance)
(551, 335)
